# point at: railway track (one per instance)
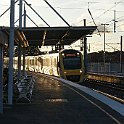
(110, 89)
(108, 85)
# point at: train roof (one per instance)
(48, 36)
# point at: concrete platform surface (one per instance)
(54, 102)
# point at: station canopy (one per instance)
(48, 36)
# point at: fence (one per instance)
(111, 68)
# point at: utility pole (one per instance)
(121, 55)
(115, 21)
(104, 45)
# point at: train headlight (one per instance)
(62, 54)
(80, 71)
(65, 72)
(78, 54)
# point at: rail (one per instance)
(110, 85)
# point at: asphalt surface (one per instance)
(56, 103)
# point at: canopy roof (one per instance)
(48, 36)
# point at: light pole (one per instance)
(104, 45)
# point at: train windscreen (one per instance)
(72, 61)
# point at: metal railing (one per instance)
(25, 87)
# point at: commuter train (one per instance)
(68, 64)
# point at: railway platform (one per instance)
(56, 101)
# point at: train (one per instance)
(70, 65)
(67, 64)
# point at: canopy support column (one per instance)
(19, 47)
(85, 54)
(11, 50)
(1, 79)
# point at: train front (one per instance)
(71, 65)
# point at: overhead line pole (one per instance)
(114, 20)
(57, 13)
(104, 46)
(121, 54)
(37, 14)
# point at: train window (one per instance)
(72, 63)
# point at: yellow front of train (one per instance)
(71, 65)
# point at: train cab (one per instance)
(70, 65)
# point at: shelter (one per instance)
(48, 36)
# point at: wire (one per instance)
(108, 10)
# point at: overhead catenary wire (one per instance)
(93, 9)
(108, 10)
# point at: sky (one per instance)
(74, 12)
